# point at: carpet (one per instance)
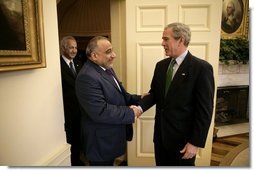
(226, 151)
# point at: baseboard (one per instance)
(60, 157)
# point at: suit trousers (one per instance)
(165, 157)
(75, 156)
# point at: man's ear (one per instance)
(62, 49)
(182, 40)
(93, 56)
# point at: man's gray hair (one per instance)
(64, 40)
(92, 44)
(180, 30)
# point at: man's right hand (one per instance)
(136, 111)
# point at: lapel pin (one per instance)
(183, 74)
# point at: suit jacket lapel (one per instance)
(66, 67)
(181, 75)
(119, 83)
(104, 74)
(110, 79)
(77, 65)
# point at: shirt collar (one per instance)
(104, 69)
(67, 60)
(180, 58)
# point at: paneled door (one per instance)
(145, 21)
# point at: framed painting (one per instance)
(234, 22)
(22, 36)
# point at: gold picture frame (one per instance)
(235, 25)
(22, 36)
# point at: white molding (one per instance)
(233, 75)
(233, 129)
(60, 157)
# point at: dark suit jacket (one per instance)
(72, 111)
(105, 113)
(184, 115)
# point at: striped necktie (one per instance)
(73, 69)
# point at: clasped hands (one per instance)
(137, 111)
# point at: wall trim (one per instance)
(59, 157)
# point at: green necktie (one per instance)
(169, 75)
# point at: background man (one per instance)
(72, 111)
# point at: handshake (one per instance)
(137, 111)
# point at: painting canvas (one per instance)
(234, 22)
(22, 37)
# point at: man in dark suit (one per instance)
(184, 110)
(106, 116)
(72, 113)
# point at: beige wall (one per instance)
(31, 109)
